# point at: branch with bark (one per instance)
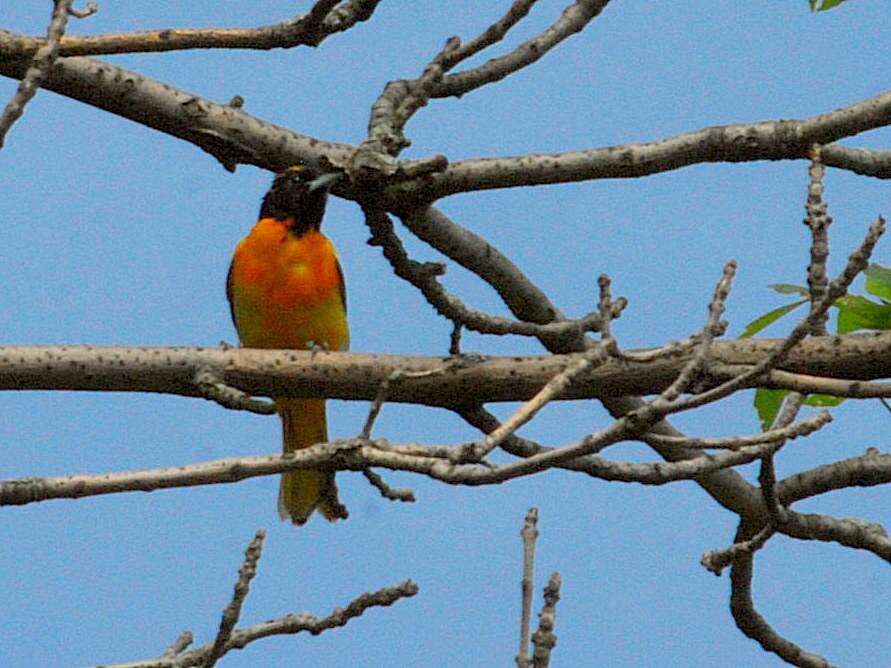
(231, 638)
(679, 376)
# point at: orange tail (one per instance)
(302, 492)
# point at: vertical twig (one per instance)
(818, 221)
(544, 638)
(455, 339)
(529, 534)
(233, 611)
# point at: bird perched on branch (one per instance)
(286, 290)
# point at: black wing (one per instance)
(229, 297)
(342, 288)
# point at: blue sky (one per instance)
(115, 234)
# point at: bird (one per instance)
(286, 289)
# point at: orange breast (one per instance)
(286, 290)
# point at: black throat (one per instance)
(305, 208)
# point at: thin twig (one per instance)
(179, 645)
(849, 532)
(402, 98)
(233, 611)
(713, 328)
(424, 277)
(90, 9)
(552, 390)
(805, 427)
(403, 494)
(212, 387)
(767, 477)
(455, 339)
(857, 262)
(287, 625)
(43, 60)
(529, 534)
(573, 20)
(818, 221)
(360, 454)
(376, 405)
(544, 638)
(717, 560)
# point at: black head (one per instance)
(300, 192)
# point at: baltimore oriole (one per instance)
(286, 290)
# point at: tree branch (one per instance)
(435, 381)
(37, 69)
(288, 625)
(235, 137)
(324, 19)
(755, 626)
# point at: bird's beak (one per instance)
(325, 181)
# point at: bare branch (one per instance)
(324, 19)
(742, 142)
(288, 625)
(90, 9)
(235, 137)
(376, 405)
(212, 387)
(529, 534)
(805, 384)
(229, 134)
(857, 262)
(38, 69)
(714, 327)
(527, 302)
(767, 476)
(818, 221)
(435, 381)
(391, 493)
(717, 560)
(402, 98)
(179, 645)
(424, 277)
(574, 19)
(863, 161)
(544, 638)
(868, 470)
(552, 390)
(233, 611)
(755, 626)
(804, 428)
(850, 532)
(361, 454)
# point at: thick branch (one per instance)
(527, 302)
(236, 137)
(227, 133)
(435, 381)
(741, 142)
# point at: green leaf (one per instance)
(767, 404)
(823, 400)
(771, 316)
(878, 281)
(855, 312)
(822, 6)
(790, 289)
